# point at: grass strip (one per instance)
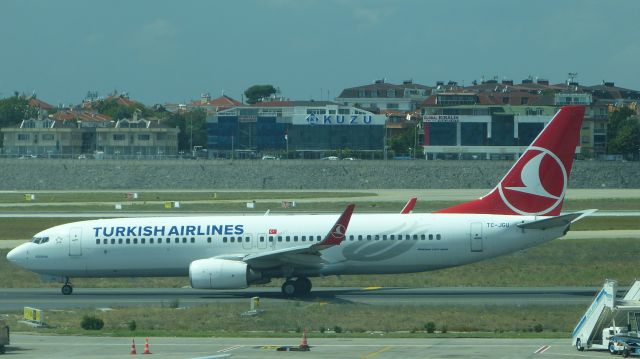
(321, 319)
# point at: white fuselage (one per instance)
(374, 243)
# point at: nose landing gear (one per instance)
(67, 288)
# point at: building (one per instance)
(297, 129)
(385, 96)
(68, 135)
(495, 120)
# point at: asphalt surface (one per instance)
(379, 347)
(12, 299)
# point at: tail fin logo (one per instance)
(536, 185)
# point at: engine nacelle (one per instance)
(213, 273)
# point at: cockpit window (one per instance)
(40, 240)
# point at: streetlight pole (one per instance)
(191, 138)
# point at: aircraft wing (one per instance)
(557, 221)
(305, 255)
(409, 206)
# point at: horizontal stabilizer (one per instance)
(558, 221)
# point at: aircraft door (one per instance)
(75, 241)
(247, 241)
(476, 237)
(262, 241)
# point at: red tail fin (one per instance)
(537, 183)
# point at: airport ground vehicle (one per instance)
(4, 336)
(624, 344)
(597, 329)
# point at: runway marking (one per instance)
(376, 353)
(542, 349)
(229, 349)
(371, 288)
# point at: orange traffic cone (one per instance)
(303, 344)
(133, 347)
(146, 346)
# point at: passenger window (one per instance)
(288, 239)
(104, 241)
(368, 237)
(247, 239)
(437, 237)
(392, 237)
(135, 241)
(224, 239)
(415, 237)
(184, 240)
(113, 241)
(232, 239)
(422, 237)
(303, 238)
(261, 239)
(150, 240)
(142, 240)
(208, 239)
(431, 237)
(177, 240)
(279, 238)
(193, 240)
(128, 241)
(120, 240)
(168, 240)
(98, 241)
(376, 237)
(318, 238)
(295, 238)
(270, 238)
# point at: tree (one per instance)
(15, 109)
(184, 121)
(623, 133)
(401, 141)
(257, 92)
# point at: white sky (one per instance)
(171, 51)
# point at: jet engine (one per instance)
(213, 273)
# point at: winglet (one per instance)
(338, 230)
(409, 206)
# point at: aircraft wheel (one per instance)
(289, 288)
(579, 345)
(67, 289)
(303, 286)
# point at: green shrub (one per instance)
(537, 328)
(443, 329)
(90, 322)
(430, 327)
(132, 325)
(337, 329)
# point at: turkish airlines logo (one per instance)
(536, 185)
(338, 231)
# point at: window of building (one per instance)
(343, 111)
(145, 137)
(393, 106)
(47, 137)
(23, 137)
(316, 111)
(391, 93)
(118, 137)
(361, 93)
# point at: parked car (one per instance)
(625, 345)
(330, 158)
(268, 157)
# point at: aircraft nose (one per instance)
(16, 255)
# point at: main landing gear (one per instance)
(67, 288)
(301, 286)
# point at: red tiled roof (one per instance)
(34, 102)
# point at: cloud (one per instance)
(369, 17)
(156, 32)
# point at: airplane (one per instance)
(234, 252)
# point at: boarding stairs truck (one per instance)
(598, 324)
